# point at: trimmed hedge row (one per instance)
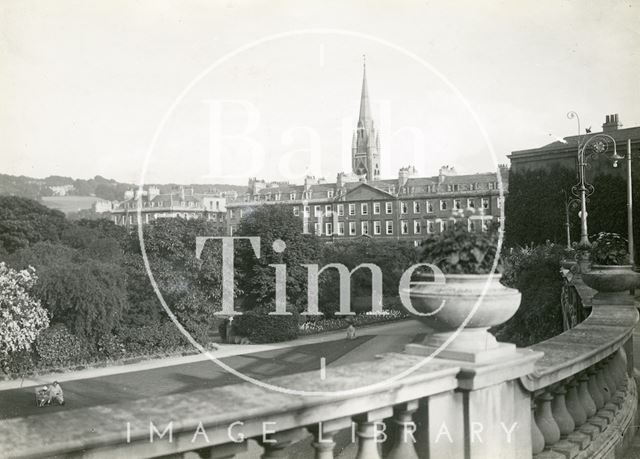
(259, 327)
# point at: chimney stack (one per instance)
(611, 123)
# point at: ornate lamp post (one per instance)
(594, 146)
(569, 204)
(617, 158)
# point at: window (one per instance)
(404, 208)
(498, 202)
(317, 210)
(443, 204)
(377, 228)
(330, 194)
(364, 228)
(231, 230)
(457, 204)
(327, 209)
(430, 227)
(485, 203)
(364, 208)
(404, 227)
(241, 213)
(429, 207)
(352, 209)
(341, 209)
(471, 226)
(388, 207)
(305, 227)
(292, 196)
(471, 204)
(306, 211)
(417, 227)
(340, 228)
(376, 208)
(328, 229)
(231, 214)
(296, 211)
(416, 207)
(389, 226)
(443, 226)
(317, 228)
(352, 228)
(485, 225)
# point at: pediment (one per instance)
(365, 192)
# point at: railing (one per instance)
(584, 398)
(578, 400)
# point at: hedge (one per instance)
(260, 327)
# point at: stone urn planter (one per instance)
(610, 279)
(444, 307)
(609, 274)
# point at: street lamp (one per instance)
(569, 203)
(597, 144)
(617, 158)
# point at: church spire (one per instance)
(365, 149)
(364, 120)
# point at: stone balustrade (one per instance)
(572, 396)
(584, 396)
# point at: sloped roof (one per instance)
(571, 142)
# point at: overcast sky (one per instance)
(85, 84)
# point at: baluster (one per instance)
(368, 432)
(559, 411)
(585, 396)
(403, 438)
(574, 405)
(323, 433)
(537, 440)
(618, 370)
(544, 419)
(276, 445)
(594, 388)
(622, 359)
(602, 383)
(226, 451)
(609, 376)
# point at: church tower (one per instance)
(365, 147)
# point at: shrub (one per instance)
(111, 347)
(152, 338)
(458, 251)
(261, 327)
(19, 363)
(58, 347)
(536, 273)
(609, 249)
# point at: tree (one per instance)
(24, 222)
(22, 317)
(192, 288)
(256, 279)
(87, 295)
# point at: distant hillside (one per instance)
(97, 187)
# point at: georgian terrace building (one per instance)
(408, 207)
(183, 203)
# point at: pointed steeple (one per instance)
(365, 150)
(364, 120)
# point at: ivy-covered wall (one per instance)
(535, 209)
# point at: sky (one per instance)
(215, 92)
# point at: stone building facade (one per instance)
(361, 204)
(183, 203)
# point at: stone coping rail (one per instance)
(102, 431)
(607, 329)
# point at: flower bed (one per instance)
(312, 327)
